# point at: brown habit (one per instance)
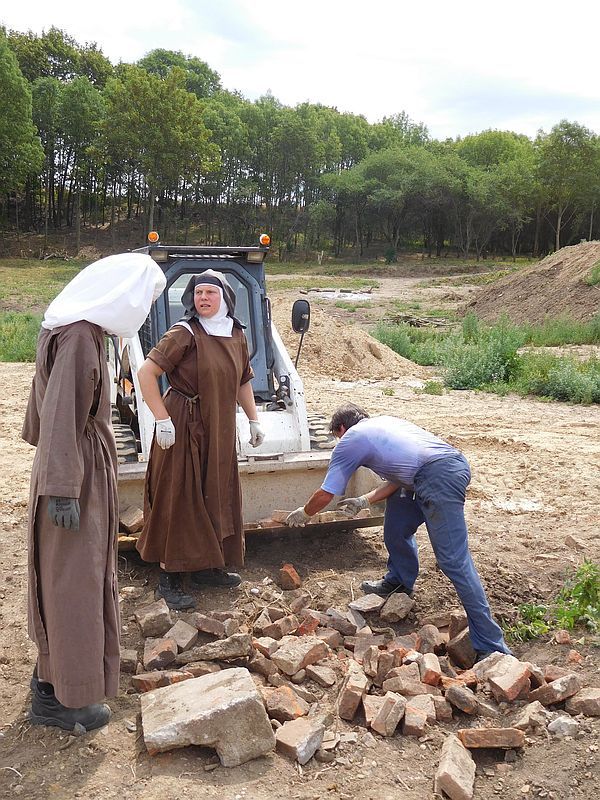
(192, 504)
(73, 598)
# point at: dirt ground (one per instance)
(533, 514)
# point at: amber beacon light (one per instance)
(153, 237)
(265, 239)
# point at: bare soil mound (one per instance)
(555, 287)
(337, 350)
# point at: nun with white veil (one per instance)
(192, 505)
(73, 510)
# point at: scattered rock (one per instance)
(455, 774)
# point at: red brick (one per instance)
(508, 678)
(389, 715)
(455, 776)
(289, 578)
(353, 690)
(284, 704)
(558, 690)
(507, 738)
(429, 667)
(159, 653)
(330, 636)
(148, 681)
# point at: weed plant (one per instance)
(577, 603)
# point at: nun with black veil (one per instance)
(192, 499)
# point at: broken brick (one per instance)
(159, 653)
(289, 578)
(506, 738)
(558, 690)
(389, 715)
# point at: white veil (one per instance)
(115, 293)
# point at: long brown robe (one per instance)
(73, 597)
(192, 505)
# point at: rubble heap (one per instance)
(314, 669)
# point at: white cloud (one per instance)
(459, 67)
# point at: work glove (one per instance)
(64, 512)
(298, 518)
(257, 435)
(350, 506)
(165, 433)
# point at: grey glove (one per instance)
(352, 505)
(257, 435)
(64, 512)
(165, 433)
(298, 518)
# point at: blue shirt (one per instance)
(393, 448)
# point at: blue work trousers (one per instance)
(439, 502)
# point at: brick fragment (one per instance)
(562, 636)
(409, 671)
(148, 681)
(300, 739)
(296, 653)
(430, 670)
(507, 738)
(457, 623)
(330, 636)
(372, 704)
(552, 672)
(207, 624)
(586, 702)
(353, 690)
(425, 703)
(237, 646)
(408, 687)
(339, 621)
(367, 603)
(430, 640)
(558, 690)
(261, 664)
(200, 668)
(284, 704)
(532, 717)
(154, 619)
(276, 613)
(132, 519)
(461, 650)
(289, 578)
(299, 603)
(389, 715)
(265, 645)
(185, 635)
(281, 627)
(415, 721)
(370, 660)
(455, 774)
(397, 607)
(308, 625)
(508, 678)
(262, 622)
(129, 660)
(362, 642)
(443, 709)
(462, 698)
(159, 653)
(385, 663)
(324, 676)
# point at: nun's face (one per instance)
(207, 300)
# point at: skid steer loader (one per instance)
(293, 460)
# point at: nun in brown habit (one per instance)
(192, 505)
(73, 510)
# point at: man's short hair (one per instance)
(347, 415)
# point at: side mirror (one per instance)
(301, 316)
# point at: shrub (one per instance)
(593, 279)
(433, 387)
(579, 600)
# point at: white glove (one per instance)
(257, 435)
(298, 518)
(352, 505)
(165, 433)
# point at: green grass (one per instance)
(348, 305)
(29, 284)
(593, 279)
(304, 282)
(18, 335)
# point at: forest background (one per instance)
(88, 146)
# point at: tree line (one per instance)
(84, 143)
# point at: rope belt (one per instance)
(191, 401)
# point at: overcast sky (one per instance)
(460, 67)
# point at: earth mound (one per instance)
(555, 287)
(334, 349)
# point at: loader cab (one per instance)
(244, 269)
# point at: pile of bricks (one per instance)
(313, 668)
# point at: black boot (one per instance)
(47, 710)
(214, 577)
(384, 588)
(169, 588)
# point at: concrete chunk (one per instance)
(223, 710)
(236, 646)
(532, 717)
(324, 676)
(455, 775)
(300, 738)
(367, 603)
